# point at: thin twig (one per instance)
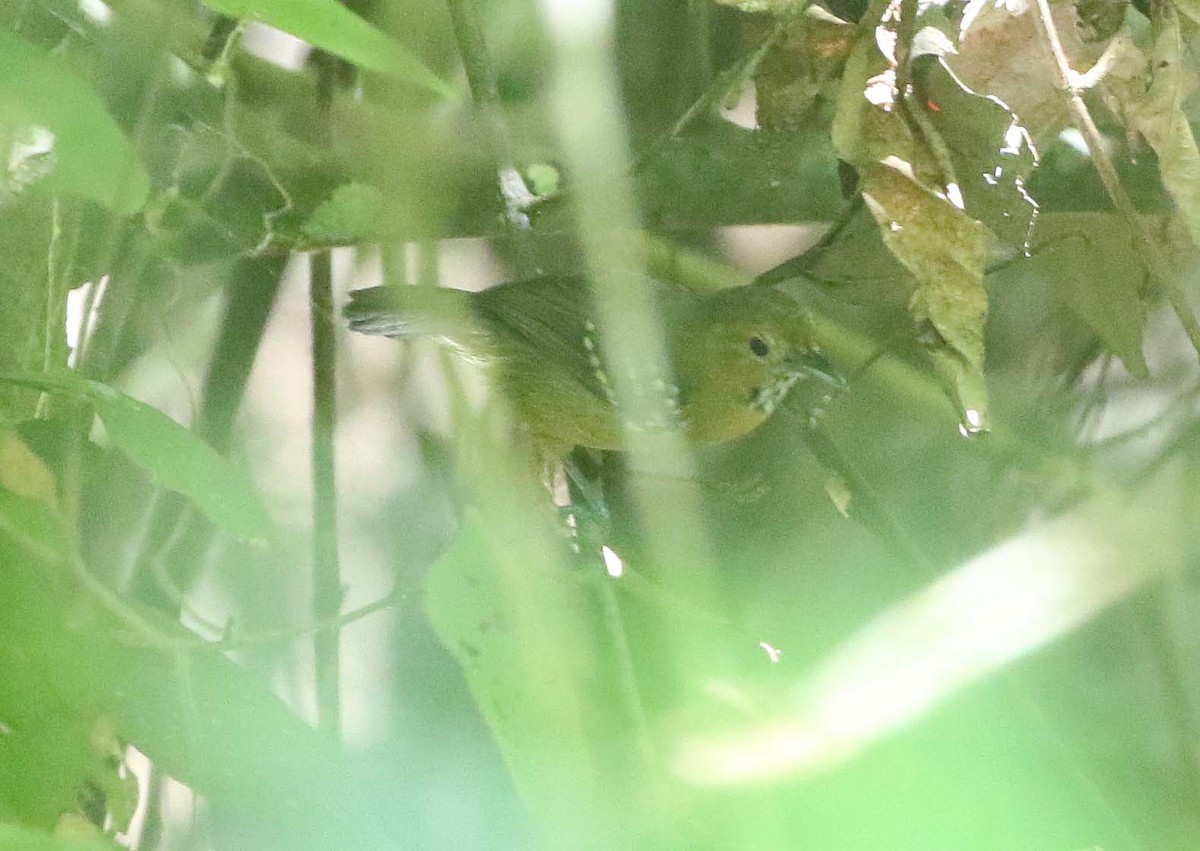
(230, 641)
(1146, 246)
(800, 265)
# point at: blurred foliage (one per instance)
(950, 606)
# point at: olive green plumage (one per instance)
(733, 354)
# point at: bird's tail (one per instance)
(407, 313)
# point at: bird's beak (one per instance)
(813, 363)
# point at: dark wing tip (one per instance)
(375, 310)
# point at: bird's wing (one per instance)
(550, 319)
(555, 318)
(406, 313)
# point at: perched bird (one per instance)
(734, 355)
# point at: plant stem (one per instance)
(1147, 248)
(327, 580)
(485, 92)
(327, 577)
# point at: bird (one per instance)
(733, 355)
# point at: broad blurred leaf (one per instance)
(179, 460)
(31, 525)
(329, 25)
(965, 626)
(64, 766)
(529, 641)
(203, 719)
(1091, 266)
(58, 136)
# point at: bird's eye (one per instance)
(759, 346)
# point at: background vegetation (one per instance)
(262, 585)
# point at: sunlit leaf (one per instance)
(867, 126)
(775, 7)
(62, 770)
(23, 473)
(178, 460)
(331, 26)
(57, 136)
(1190, 9)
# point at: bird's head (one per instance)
(737, 359)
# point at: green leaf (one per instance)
(945, 250)
(866, 130)
(329, 25)
(31, 526)
(66, 764)
(14, 838)
(57, 136)
(1159, 116)
(991, 152)
(192, 710)
(178, 460)
(532, 648)
(1091, 266)
(353, 214)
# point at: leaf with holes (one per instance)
(991, 152)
